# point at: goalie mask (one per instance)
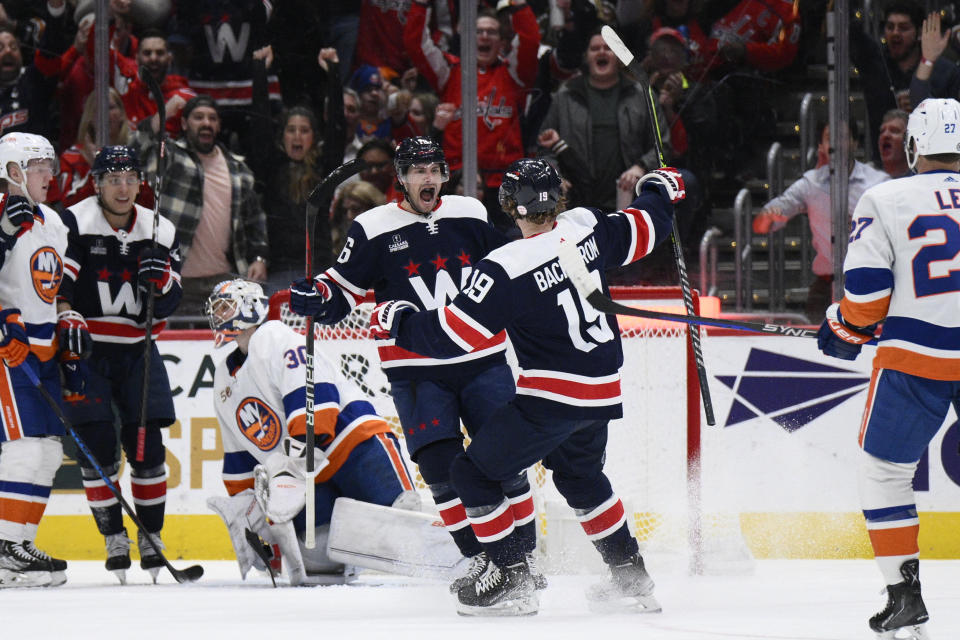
(933, 127)
(530, 186)
(26, 150)
(233, 306)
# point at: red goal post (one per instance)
(654, 453)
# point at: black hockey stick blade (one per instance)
(190, 574)
(263, 551)
(573, 265)
(323, 192)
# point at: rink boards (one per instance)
(783, 454)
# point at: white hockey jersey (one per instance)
(903, 268)
(260, 399)
(30, 277)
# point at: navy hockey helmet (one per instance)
(116, 158)
(531, 186)
(419, 150)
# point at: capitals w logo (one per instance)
(258, 423)
(46, 271)
(224, 39)
(790, 391)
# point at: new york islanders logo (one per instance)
(46, 271)
(258, 423)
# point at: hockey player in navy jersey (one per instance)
(568, 389)
(110, 265)
(259, 398)
(33, 241)
(900, 231)
(424, 249)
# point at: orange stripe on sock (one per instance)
(402, 474)
(901, 541)
(20, 511)
(869, 406)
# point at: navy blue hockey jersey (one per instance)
(569, 354)
(101, 272)
(423, 259)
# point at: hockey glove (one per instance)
(14, 343)
(73, 334)
(386, 318)
(280, 482)
(75, 372)
(154, 266)
(840, 339)
(309, 297)
(668, 179)
(17, 217)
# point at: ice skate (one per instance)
(477, 567)
(21, 569)
(500, 592)
(118, 555)
(150, 560)
(539, 580)
(55, 566)
(905, 614)
(629, 590)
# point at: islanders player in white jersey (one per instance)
(568, 389)
(904, 240)
(424, 249)
(259, 397)
(33, 241)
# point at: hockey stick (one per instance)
(157, 94)
(629, 60)
(573, 265)
(318, 200)
(190, 574)
(263, 551)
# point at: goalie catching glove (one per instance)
(839, 338)
(668, 179)
(386, 317)
(280, 482)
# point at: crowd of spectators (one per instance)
(264, 99)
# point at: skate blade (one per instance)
(631, 604)
(525, 606)
(121, 575)
(910, 632)
(21, 580)
(154, 572)
(57, 578)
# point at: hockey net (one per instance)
(667, 470)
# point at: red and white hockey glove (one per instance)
(308, 297)
(14, 343)
(73, 334)
(386, 318)
(669, 179)
(154, 268)
(840, 339)
(17, 217)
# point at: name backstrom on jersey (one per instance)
(553, 273)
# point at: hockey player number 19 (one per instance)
(587, 326)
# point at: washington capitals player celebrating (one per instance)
(424, 249)
(110, 266)
(33, 241)
(897, 271)
(568, 389)
(260, 400)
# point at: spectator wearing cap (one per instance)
(209, 195)
(368, 83)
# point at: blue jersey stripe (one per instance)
(864, 280)
(238, 462)
(925, 334)
(323, 392)
(890, 514)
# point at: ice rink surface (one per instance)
(782, 600)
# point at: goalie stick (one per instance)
(573, 265)
(263, 551)
(633, 65)
(190, 574)
(318, 200)
(157, 95)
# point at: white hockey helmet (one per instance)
(933, 127)
(233, 306)
(21, 148)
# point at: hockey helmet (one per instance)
(531, 186)
(116, 158)
(933, 127)
(235, 305)
(21, 148)
(419, 150)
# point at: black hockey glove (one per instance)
(17, 217)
